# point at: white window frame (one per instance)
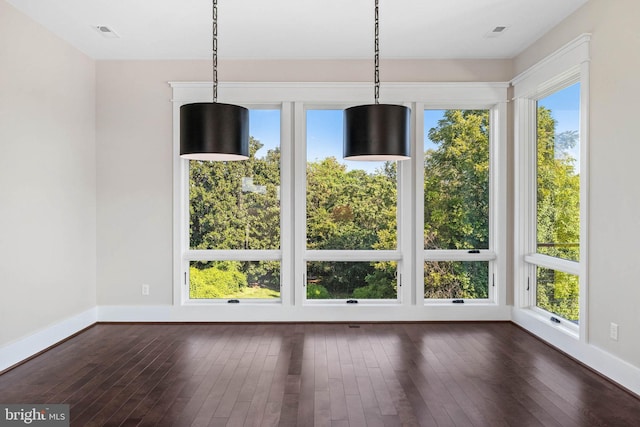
(294, 98)
(497, 208)
(567, 66)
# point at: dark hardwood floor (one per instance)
(433, 374)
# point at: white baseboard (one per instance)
(135, 313)
(607, 364)
(261, 312)
(17, 351)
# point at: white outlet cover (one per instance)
(613, 331)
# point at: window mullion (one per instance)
(418, 256)
(459, 255)
(232, 255)
(287, 208)
(299, 191)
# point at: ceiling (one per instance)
(299, 29)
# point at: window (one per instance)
(558, 199)
(351, 280)
(557, 293)
(457, 205)
(551, 167)
(456, 279)
(234, 213)
(296, 233)
(234, 279)
(351, 206)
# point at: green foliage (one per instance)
(340, 279)
(265, 274)
(381, 283)
(558, 195)
(350, 209)
(557, 292)
(255, 292)
(220, 279)
(315, 291)
(448, 279)
(456, 200)
(456, 182)
(236, 205)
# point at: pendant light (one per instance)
(212, 130)
(377, 132)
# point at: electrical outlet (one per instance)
(145, 289)
(613, 331)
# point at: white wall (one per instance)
(614, 211)
(134, 182)
(47, 179)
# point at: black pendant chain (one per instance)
(376, 75)
(214, 48)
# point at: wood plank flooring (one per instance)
(432, 374)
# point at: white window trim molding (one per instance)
(567, 65)
(543, 77)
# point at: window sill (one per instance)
(542, 319)
(242, 302)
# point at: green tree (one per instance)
(456, 201)
(236, 205)
(215, 280)
(351, 209)
(456, 182)
(558, 190)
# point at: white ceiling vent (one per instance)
(107, 32)
(496, 32)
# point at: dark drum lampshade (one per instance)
(377, 132)
(214, 131)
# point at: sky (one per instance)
(565, 109)
(325, 138)
(264, 125)
(324, 127)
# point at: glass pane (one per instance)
(456, 179)
(236, 205)
(350, 205)
(558, 293)
(234, 279)
(558, 174)
(351, 280)
(456, 279)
